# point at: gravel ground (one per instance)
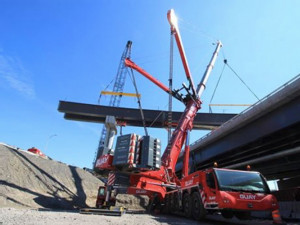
(11, 216)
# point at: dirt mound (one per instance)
(27, 180)
(132, 202)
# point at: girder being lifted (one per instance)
(132, 117)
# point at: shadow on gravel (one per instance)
(52, 199)
(43, 200)
(80, 197)
(13, 200)
(174, 220)
(24, 159)
(210, 220)
(143, 202)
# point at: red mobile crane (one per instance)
(232, 192)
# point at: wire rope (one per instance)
(226, 62)
(139, 101)
(212, 97)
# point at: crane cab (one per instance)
(102, 192)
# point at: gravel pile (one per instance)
(27, 180)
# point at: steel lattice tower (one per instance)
(118, 87)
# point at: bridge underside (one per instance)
(274, 135)
(276, 155)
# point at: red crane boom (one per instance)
(166, 174)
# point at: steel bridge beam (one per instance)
(132, 117)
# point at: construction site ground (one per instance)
(36, 190)
(50, 217)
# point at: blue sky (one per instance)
(70, 50)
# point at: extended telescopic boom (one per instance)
(185, 124)
(202, 84)
(193, 104)
(175, 31)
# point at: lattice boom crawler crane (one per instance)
(137, 160)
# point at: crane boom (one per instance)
(185, 124)
(129, 63)
(175, 31)
(132, 65)
(193, 104)
(201, 85)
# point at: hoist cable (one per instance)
(212, 97)
(106, 88)
(226, 62)
(156, 118)
(139, 101)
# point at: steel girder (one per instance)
(132, 117)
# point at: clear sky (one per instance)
(70, 50)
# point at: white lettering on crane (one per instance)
(189, 182)
(212, 198)
(101, 161)
(247, 197)
(140, 191)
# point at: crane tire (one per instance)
(167, 206)
(243, 215)
(198, 210)
(187, 205)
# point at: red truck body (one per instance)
(232, 192)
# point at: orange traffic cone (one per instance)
(276, 217)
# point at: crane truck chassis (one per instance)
(231, 192)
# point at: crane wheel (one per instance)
(227, 214)
(167, 205)
(187, 205)
(246, 215)
(174, 202)
(198, 210)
